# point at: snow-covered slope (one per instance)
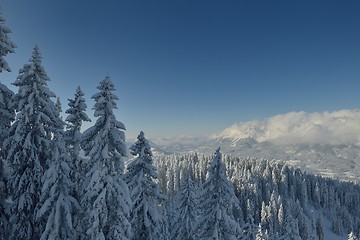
(340, 127)
(322, 143)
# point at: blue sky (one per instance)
(195, 67)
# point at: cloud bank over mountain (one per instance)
(338, 127)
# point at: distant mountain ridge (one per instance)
(322, 143)
(339, 127)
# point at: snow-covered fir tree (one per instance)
(7, 112)
(6, 45)
(58, 110)
(28, 147)
(288, 194)
(184, 224)
(7, 115)
(144, 191)
(76, 116)
(57, 205)
(58, 107)
(106, 200)
(218, 202)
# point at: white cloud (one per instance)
(338, 127)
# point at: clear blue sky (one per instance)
(195, 67)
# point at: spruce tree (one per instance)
(57, 203)
(7, 112)
(218, 203)
(7, 115)
(144, 191)
(28, 147)
(76, 116)
(183, 227)
(106, 199)
(58, 107)
(6, 45)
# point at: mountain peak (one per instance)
(338, 127)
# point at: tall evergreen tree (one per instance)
(106, 199)
(58, 110)
(218, 203)
(6, 45)
(7, 115)
(58, 107)
(183, 227)
(76, 116)
(144, 191)
(7, 112)
(28, 147)
(57, 204)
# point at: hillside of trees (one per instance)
(57, 182)
(274, 201)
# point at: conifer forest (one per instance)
(58, 181)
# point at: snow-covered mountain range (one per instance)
(326, 143)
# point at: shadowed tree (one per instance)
(57, 203)
(7, 115)
(106, 199)
(145, 193)
(28, 147)
(6, 45)
(76, 116)
(183, 227)
(218, 203)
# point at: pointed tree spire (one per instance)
(106, 198)
(76, 112)
(7, 115)
(6, 45)
(183, 226)
(7, 112)
(144, 191)
(76, 116)
(108, 126)
(218, 203)
(28, 147)
(58, 105)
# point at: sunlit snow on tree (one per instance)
(144, 191)
(106, 200)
